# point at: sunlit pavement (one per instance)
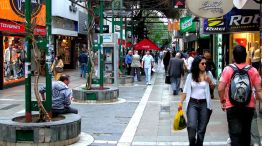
(142, 118)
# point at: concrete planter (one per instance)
(122, 80)
(64, 131)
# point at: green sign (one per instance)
(187, 24)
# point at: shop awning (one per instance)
(247, 4)
(125, 44)
(146, 44)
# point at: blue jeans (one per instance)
(83, 70)
(66, 110)
(239, 125)
(148, 74)
(198, 116)
(175, 84)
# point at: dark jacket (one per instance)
(83, 58)
(176, 67)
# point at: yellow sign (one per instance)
(13, 10)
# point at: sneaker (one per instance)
(228, 141)
(148, 83)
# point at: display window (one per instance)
(251, 42)
(63, 45)
(14, 59)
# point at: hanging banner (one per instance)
(187, 24)
(209, 8)
(14, 10)
(235, 21)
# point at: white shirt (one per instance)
(148, 59)
(189, 62)
(198, 90)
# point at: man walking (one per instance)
(147, 64)
(239, 113)
(128, 61)
(83, 60)
(175, 71)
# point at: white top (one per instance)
(189, 62)
(198, 90)
(148, 59)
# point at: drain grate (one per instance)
(9, 107)
(165, 109)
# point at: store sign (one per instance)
(105, 29)
(209, 8)
(235, 21)
(13, 10)
(247, 4)
(214, 25)
(187, 24)
(19, 28)
(18, 7)
(107, 38)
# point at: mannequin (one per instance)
(256, 55)
(10, 58)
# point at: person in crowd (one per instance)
(83, 60)
(57, 67)
(136, 65)
(175, 71)
(239, 118)
(210, 67)
(128, 61)
(190, 59)
(166, 60)
(198, 101)
(147, 64)
(61, 96)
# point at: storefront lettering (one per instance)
(10, 26)
(244, 20)
(187, 24)
(18, 6)
(215, 29)
(20, 2)
(215, 6)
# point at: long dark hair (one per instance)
(195, 67)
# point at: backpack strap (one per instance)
(234, 67)
(246, 68)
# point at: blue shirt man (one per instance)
(128, 61)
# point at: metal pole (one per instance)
(48, 51)
(113, 18)
(121, 37)
(28, 114)
(100, 45)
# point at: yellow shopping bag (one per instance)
(179, 121)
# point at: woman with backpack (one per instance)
(198, 101)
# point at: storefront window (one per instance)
(14, 59)
(64, 49)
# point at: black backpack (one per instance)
(240, 86)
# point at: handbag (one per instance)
(167, 80)
(59, 69)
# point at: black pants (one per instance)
(66, 110)
(136, 71)
(128, 67)
(198, 116)
(239, 125)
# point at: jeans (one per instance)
(198, 116)
(255, 137)
(148, 74)
(83, 69)
(175, 84)
(67, 110)
(239, 125)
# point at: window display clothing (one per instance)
(10, 59)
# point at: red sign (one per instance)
(12, 27)
(19, 28)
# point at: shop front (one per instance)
(12, 38)
(65, 34)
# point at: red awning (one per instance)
(146, 44)
(124, 43)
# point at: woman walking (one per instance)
(57, 67)
(198, 101)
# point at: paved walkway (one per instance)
(143, 117)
